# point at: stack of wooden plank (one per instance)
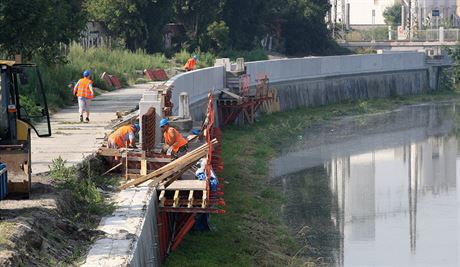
(171, 171)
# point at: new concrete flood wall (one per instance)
(314, 81)
(132, 230)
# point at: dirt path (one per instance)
(73, 140)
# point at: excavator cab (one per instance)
(23, 107)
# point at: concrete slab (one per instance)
(73, 140)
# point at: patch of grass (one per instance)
(252, 231)
(81, 182)
(6, 230)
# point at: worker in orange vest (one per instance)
(175, 143)
(83, 89)
(191, 63)
(125, 136)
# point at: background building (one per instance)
(359, 13)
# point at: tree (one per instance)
(249, 21)
(138, 22)
(218, 33)
(392, 15)
(196, 16)
(39, 26)
(303, 27)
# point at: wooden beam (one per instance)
(176, 199)
(143, 167)
(113, 168)
(190, 199)
(180, 164)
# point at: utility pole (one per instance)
(335, 19)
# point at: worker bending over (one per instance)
(175, 143)
(191, 63)
(125, 136)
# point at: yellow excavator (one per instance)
(23, 107)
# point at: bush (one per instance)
(83, 189)
(253, 55)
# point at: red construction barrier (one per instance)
(106, 78)
(164, 233)
(160, 75)
(156, 75)
(116, 83)
(149, 74)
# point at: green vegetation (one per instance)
(119, 62)
(252, 231)
(39, 27)
(82, 182)
(454, 53)
(376, 33)
(392, 15)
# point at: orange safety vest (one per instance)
(120, 136)
(178, 138)
(83, 88)
(190, 65)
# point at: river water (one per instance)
(376, 190)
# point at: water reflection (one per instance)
(392, 203)
(381, 195)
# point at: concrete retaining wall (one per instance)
(282, 70)
(322, 91)
(313, 81)
(196, 83)
(131, 237)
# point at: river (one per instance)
(376, 190)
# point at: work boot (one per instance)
(87, 119)
(81, 118)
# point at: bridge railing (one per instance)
(383, 34)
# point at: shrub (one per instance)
(83, 189)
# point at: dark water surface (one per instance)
(376, 190)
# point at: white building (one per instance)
(370, 12)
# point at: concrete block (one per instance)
(184, 107)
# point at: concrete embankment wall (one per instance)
(131, 236)
(314, 81)
(131, 233)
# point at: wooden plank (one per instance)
(185, 185)
(176, 199)
(190, 199)
(143, 167)
(162, 198)
(108, 152)
(113, 168)
(227, 92)
(161, 160)
(181, 163)
(204, 198)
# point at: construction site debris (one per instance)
(173, 170)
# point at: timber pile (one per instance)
(173, 170)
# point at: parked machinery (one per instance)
(23, 107)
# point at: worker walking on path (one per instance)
(191, 63)
(84, 91)
(175, 143)
(125, 136)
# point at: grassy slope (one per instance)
(252, 231)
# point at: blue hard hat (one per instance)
(86, 73)
(195, 57)
(163, 122)
(137, 127)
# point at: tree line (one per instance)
(294, 26)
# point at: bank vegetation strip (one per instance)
(253, 231)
